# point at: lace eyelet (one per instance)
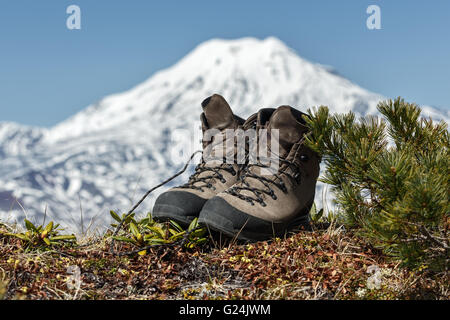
(274, 197)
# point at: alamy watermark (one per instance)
(231, 146)
(73, 281)
(73, 21)
(373, 22)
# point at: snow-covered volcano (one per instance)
(106, 156)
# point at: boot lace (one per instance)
(198, 181)
(274, 181)
(205, 180)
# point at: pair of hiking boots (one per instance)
(247, 199)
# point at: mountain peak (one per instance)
(245, 42)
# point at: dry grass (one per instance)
(329, 263)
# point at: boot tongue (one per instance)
(217, 113)
(260, 118)
(264, 115)
(290, 125)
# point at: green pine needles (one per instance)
(390, 178)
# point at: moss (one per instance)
(324, 264)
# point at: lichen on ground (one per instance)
(327, 263)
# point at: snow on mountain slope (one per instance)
(106, 156)
(16, 139)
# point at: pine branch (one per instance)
(433, 239)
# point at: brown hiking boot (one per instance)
(265, 203)
(212, 175)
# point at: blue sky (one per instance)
(48, 73)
